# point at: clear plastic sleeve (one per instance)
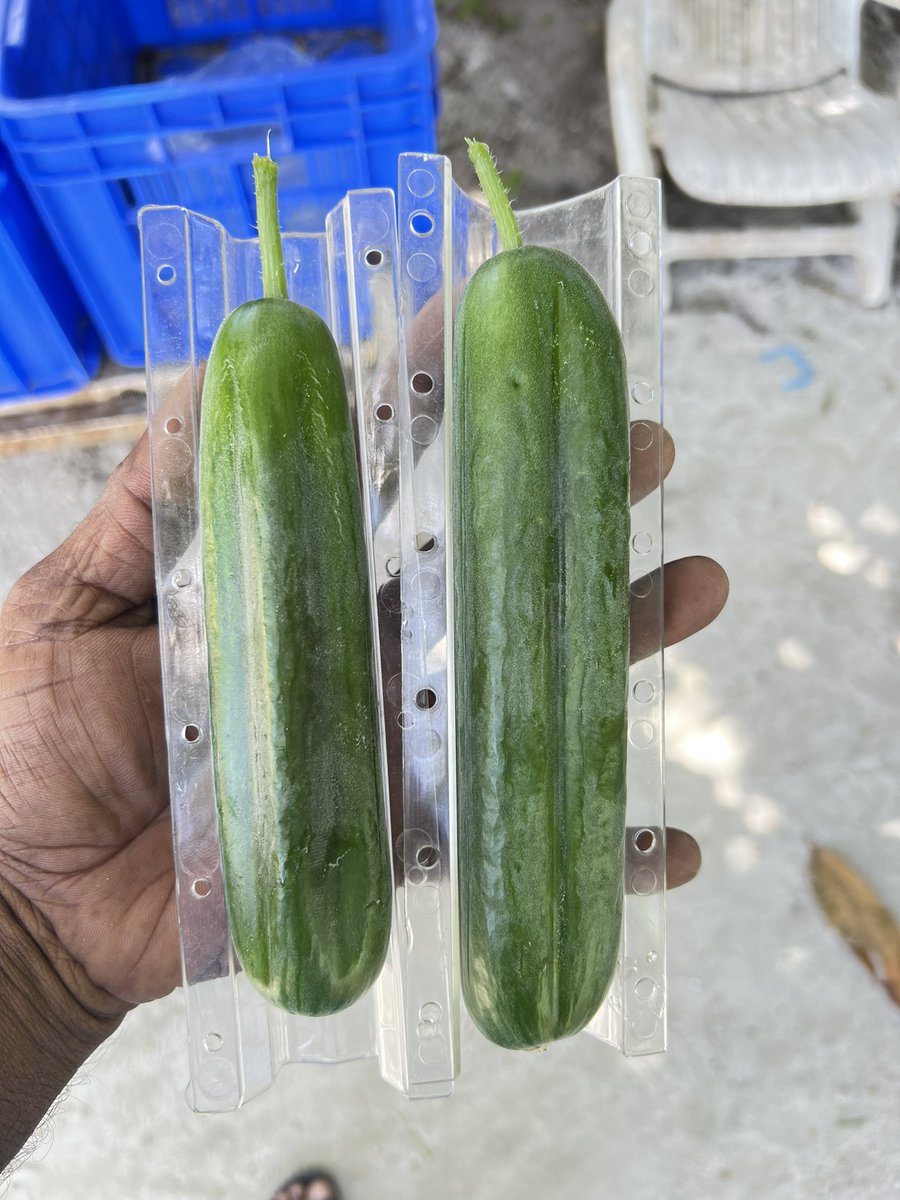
(386, 274)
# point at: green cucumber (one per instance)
(294, 723)
(540, 511)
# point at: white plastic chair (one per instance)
(758, 103)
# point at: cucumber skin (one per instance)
(540, 442)
(294, 723)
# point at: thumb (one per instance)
(103, 569)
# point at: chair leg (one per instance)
(877, 227)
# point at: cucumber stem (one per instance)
(496, 194)
(265, 177)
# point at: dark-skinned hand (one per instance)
(85, 830)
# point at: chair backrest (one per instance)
(749, 45)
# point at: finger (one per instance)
(682, 858)
(694, 593)
(104, 567)
(652, 456)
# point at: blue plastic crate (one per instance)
(94, 144)
(47, 343)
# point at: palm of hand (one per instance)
(85, 832)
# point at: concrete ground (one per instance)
(782, 1079)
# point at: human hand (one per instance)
(85, 834)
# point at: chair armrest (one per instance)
(628, 83)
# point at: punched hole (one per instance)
(427, 856)
(384, 412)
(422, 383)
(425, 542)
(421, 223)
(201, 888)
(191, 733)
(174, 425)
(644, 840)
(392, 566)
(374, 258)
(166, 273)
(426, 698)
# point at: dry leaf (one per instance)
(854, 909)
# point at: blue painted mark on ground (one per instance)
(803, 368)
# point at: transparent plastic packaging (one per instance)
(386, 274)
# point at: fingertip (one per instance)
(714, 579)
(695, 591)
(683, 858)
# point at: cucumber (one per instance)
(294, 723)
(540, 512)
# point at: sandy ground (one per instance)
(782, 1079)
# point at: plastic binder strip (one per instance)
(386, 274)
